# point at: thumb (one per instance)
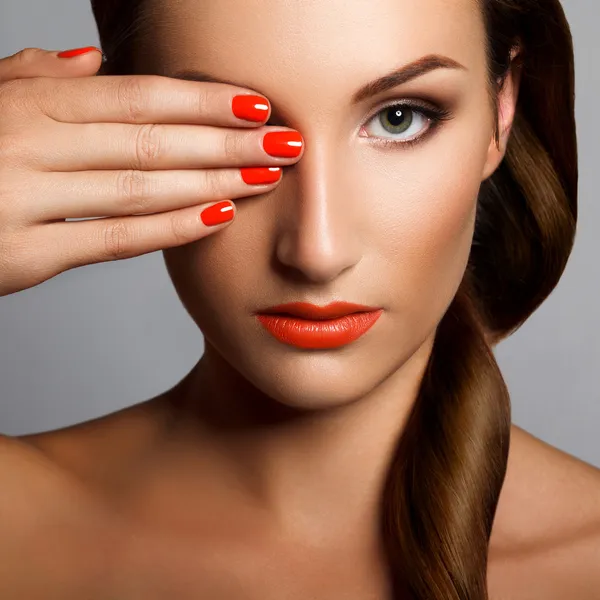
(36, 62)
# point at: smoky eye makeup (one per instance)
(392, 125)
(402, 123)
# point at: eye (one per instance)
(403, 123)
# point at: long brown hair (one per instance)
(445, 479)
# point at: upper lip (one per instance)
(312, 311)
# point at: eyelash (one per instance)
(434, 114)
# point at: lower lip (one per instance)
(325, 334)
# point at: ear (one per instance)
(507, 103)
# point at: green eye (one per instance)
(414, 118)
(396, 118)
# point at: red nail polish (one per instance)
(217, 213)
(260, 175)
(285, 144)
(77, 52)
(250, 108)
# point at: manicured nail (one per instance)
(250, 108)
(284, 144)
(77, 52)
(217, 213)
(260, 175)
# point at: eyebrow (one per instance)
(389, 81)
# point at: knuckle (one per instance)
(7, 201)
(132, 95)
(233, 144)
(12, 148)
(203, 102)
(133, 190)
(117, 240)
(180, 228)
(28, 55)
(7, 248)
(13, 249)
(213, 183)
(19, 98)
(7, 146)
(148, 144)
(11, 93)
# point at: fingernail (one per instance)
(217, 213)
(250, 108)
(77, 51)
(260, 175)
(284, 144)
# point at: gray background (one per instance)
(103, 337)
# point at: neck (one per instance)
(305, 468)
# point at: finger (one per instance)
(36, 62)
(149, 147)
(120, 193)
(115, 238)
(150, 99)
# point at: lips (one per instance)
(304, 310)
(309, 326)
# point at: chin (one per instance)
(323, 379)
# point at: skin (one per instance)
(258, 475)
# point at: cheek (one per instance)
(421, 225)
(220, 271)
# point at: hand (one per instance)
(138, 158)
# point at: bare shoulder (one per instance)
(45, 519)
(27, 476)
(58, 532)
(55, 523)
(98, 451)
(546, 536)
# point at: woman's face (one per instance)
(388, 226)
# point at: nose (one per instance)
(318, 235)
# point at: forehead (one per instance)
(319, 43)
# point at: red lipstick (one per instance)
(306, 325)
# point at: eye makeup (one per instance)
(432, 113)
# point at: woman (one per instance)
(425, 168)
